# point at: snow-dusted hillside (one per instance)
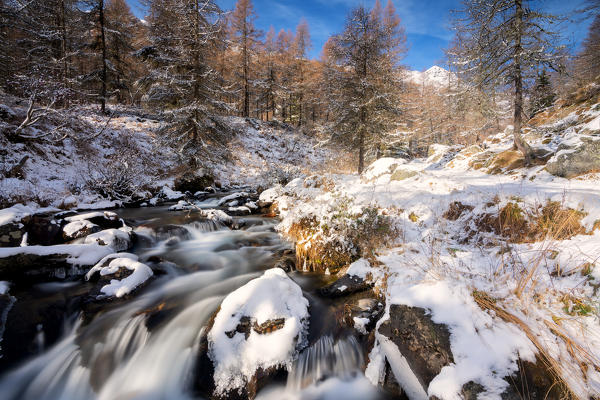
(125, 150)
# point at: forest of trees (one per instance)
(192, 62)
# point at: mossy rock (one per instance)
(402, 174)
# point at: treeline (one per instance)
(193, 62)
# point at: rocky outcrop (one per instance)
(424, 344)
(575, 160)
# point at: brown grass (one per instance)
(456, 210)
(552, 220)
(506, 161)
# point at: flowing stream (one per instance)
(147, 347)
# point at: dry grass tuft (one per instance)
(549, 363)
(551, 221)
(456, 210)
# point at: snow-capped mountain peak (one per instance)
(434, 76)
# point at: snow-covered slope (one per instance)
(458, 216)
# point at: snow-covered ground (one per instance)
(445, 264)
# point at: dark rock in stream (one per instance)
(168, 231)
(11, 235)
(33, 267)
(44, 229)
(344, 286)
(424, 344)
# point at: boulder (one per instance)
(193, 182)
(424, 344)
(118, 239)
(269, 309)
(20, 265)
(44, 229)
(78, 229)
(571, 161)
(118, 275)
(104, 219)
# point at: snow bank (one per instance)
(15, 213)
(271, 297)
(77, 254)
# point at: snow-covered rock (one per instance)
(382, 166)
(117, 239)
(262, 325)
(79, 228)
(111, 264)
(575, 157)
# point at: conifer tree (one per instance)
(245, 38)
(542, 95)
(121, 29)
(588, 60)
(302, 45)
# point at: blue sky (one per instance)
(426, 22)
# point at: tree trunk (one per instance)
(520, 144)
(361, 151)
(246, 112)
(103, 44)
(63, 45)
(361, 142)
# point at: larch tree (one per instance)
(267, 83)
(361, 70)
(121, 28)
(245, 37)
(180, 81)
(302, 45)
(285, 72)
(506, 42)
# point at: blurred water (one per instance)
(147, 348)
